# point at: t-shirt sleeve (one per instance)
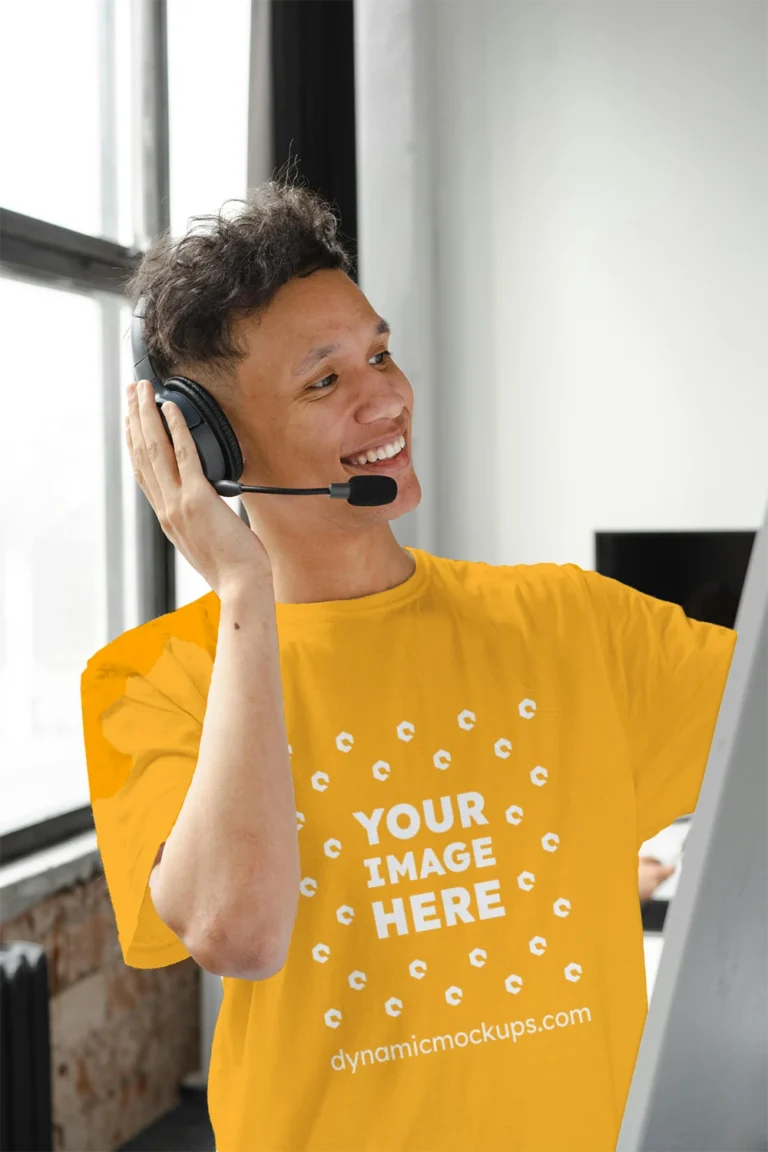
(667, 673)
(143, 713)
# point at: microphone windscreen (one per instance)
(368, 491)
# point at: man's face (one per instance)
(299, 411)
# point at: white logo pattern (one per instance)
(478, 957)
(344, 742)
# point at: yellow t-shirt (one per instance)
(478, 754)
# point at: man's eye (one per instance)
(378, 360)
(324, 384)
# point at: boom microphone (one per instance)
(363, 491)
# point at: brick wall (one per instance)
(122, 1039)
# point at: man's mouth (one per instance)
(394, 463)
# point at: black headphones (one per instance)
(217, 446)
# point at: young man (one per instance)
(394, 800)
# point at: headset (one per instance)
(220, 456)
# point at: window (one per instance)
(82, 179)
(59, 539)
(66, 143)
(207, 120)
(68, 560)
(207, 107)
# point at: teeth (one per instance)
(386, 452)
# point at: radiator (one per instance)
(25, 1049)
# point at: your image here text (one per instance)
(445, 907)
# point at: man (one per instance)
(394, 800)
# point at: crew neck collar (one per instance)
(328, 611)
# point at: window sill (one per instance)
(29, 881)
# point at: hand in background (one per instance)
(651, 873)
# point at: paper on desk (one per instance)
(667, 847)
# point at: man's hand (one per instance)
(651, 872)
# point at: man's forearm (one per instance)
(227, 883)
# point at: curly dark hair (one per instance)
(227, 268)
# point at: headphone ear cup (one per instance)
(217, 446)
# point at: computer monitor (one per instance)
(702, 571)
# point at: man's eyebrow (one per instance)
(315, 355)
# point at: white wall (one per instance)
(394, 117)
(588, 184)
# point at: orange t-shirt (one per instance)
(477, 754)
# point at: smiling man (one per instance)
(394, 800)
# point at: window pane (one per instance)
(208, 122)
(217, 113)
(52, 546)
(65, 134)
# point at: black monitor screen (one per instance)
(703, 572)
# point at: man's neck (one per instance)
(353, 568)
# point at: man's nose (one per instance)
(382, 399)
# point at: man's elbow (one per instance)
(222, 953)
(221, 946)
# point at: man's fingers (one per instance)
(132, 457)
(143, 468)
(160, 452)
(164, 461)
(159, 448)
(182, 445)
